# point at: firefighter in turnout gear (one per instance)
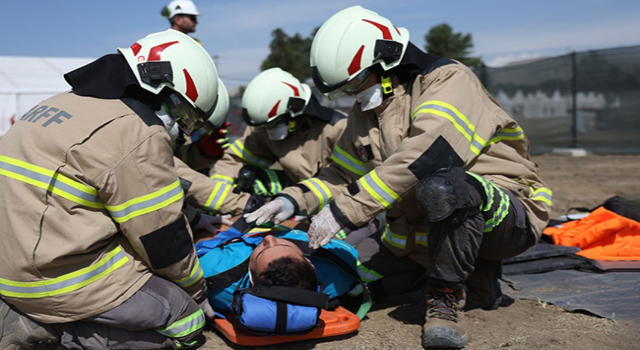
(428, 144)
(286, 124)
(93, 230)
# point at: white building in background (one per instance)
(25, 81)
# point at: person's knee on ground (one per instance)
(17, 331)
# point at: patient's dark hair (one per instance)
(288, 272)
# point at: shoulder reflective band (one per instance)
(65, 283)
(379, 190)
(367, 275)
(542, 194)
(348, 162)
(50, 180)
(501, 211)
(507, 134)
(394, 239)
(223, 178)
(421, 238)
(239, 149)
(196, 274)
(459, 121)
(217, 196)
(320, 190)
(185, 326)
(147, 203)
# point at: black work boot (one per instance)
(18, 331)
(483, 286)
(444, 326)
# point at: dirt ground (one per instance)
(397, 322)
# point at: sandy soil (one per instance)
(397, 322)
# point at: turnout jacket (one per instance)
(442, 117)
(91, 208)
(210, 194)
(302, 154)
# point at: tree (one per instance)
(289, 53)
(442, 41)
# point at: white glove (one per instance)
(207, 221)
(324, 227)
(280, 207)
(208, 310)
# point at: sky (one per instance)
(237, 33)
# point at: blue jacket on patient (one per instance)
(230, 249)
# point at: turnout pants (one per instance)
(159, 316)
(460, 249)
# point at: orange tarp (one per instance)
(603, 235)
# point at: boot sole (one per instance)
(444, 337)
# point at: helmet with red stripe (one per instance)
(350, 42)
(272, 96)
(175, 67)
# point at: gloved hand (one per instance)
(207, 221)
(215, 143)
(324, 227)
(208, 310)
(280, 208)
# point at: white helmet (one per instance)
(180, 7)
(219, 115)
(274, 96)
(351, 41)
(178, 69)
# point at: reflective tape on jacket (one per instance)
(542, 194)
(367, 275)
(459, 121)
(65, 283)
(239, 149)
(185, 326)
(224, 179)
(421, 238)
(357, 290)
(146, 204)
(507, 134)
(50, 180)
(319, 189)
(196, 274)
(394, 239)
(348, 162)
(379, 190)
(217, 196)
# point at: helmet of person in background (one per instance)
(219, 115)
(175, 67)
(274, 96)
(349, 43)
(179, 7)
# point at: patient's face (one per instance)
(272, 248)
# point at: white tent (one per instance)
(25, 81)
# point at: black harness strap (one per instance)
(227, 278)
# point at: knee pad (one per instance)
(440, 194)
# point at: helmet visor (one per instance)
(345, 87)
(188, 117)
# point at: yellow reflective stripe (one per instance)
(147, 203)
(488, 189)
(379, 190)
(50, 180)
(500, 213)
(239, 149)
(508, 134)
(319, 189)
(196, 274)
(275, 182)
(185, 326)
(217, 196)
(394, 239)
(348, 162)
(357, 290)
(458, 120)
(367, 275)
(65, 283)
(223, 178)
(542, 194)
(421, 238)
